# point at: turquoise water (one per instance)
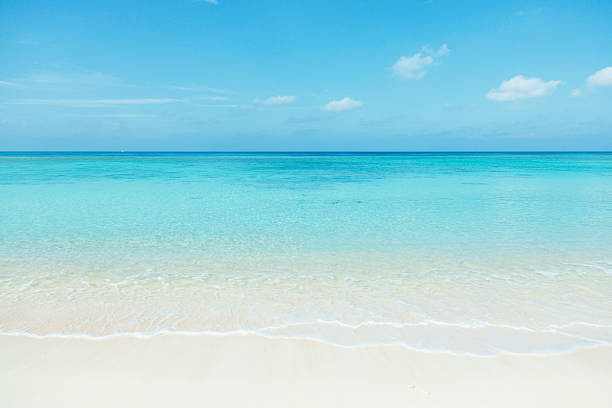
(481, 253)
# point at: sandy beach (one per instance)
(251, 370)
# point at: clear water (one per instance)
(467, 253)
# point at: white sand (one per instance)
(235, 370)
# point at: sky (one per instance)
(257, 75)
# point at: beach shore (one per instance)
(251, 370)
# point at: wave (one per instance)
(475, 338)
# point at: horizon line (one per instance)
(302, 151)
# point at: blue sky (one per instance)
(305, 75)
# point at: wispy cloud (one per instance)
(520, 87)
(7, 83)
(208, 1)
(416, 66)
(61, 82)
(603, 77)
(277, 100)
(227, 106)
(94, 77)
(198, 88)
(212, 98)
(442, 51)
(120, 115)
(94, 103)
(342, 105)
(576, 92)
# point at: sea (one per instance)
(466, 253)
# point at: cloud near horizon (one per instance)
(7, 83)
(415, 66)
(603, 77)
(120, 116)
(521, 87)
(277, 100)
(93, 103)
(61, 82)
(342, 105)
(198, 88)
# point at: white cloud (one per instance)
(213, 98)
(232, 106)
(6, 83)
(342, 105)
(52, 79)
(93, 78)
(61, 82)
(93, 103)
(602, 77)
(211, 1)
(121, 116)
(576, 92)
(520, 87)
(415, 67)
(412, 67)
(277, 100)
(197, 88)
(442, 51)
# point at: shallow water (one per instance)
(468, 253)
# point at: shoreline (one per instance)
(253, 370)
(273, 337)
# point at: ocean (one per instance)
(468, 253)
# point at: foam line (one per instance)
(265, 332)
